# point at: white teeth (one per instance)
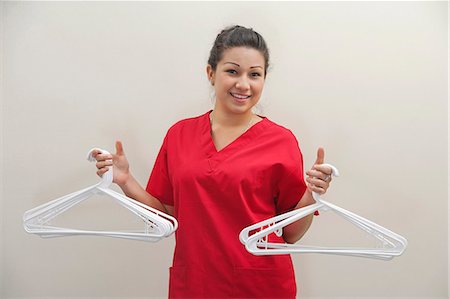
(239, 96)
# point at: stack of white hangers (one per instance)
(157, 225)
(392, 244)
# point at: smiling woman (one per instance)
(227, 168)
(238, 80)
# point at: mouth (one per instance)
(240, 97)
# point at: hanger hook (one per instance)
(335, 173)
(107, 177)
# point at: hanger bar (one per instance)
(157, 225)
(255, 237)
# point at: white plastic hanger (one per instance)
(257, 243)
(157, 225)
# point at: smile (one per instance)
(239, 97)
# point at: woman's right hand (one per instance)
(121, 168)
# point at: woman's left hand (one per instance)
(319, 177)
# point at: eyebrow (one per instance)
(240, 66)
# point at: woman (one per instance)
(222, 171)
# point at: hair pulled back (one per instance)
(238, 36)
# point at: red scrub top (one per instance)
(215, 195)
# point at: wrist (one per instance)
(306, 200)
(125, 181)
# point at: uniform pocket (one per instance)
(264, 283)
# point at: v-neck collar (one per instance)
(236, 144)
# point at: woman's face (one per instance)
(238, 79)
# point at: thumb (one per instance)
(320, 156)
(119, 148)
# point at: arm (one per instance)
(318, 181)
(134, 190)
(295, 231)
(122, 176)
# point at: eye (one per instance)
(256, 75)
(231, 71)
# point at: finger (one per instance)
(102, 171)
(318, 174)
(102, 164)
(95, 152)
(119, 148)
(323, 168)
(318, 183)
(103, 157)
(320, 155)
(316, 189)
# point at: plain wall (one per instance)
(1, 147)
(366, 80)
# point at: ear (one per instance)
(210, 74)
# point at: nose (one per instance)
(242, 83)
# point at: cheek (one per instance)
(223, 84)
(258, 87)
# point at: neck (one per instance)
(231, 119)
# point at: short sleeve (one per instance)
(159, 184)
(290, 182)
(291, 188)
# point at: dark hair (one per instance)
(237, 36)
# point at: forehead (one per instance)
(245, 57)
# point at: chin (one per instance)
(242, 109)
(233, 107)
